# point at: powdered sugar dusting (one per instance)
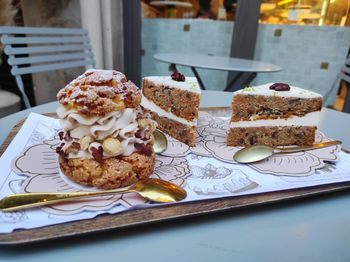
(100, 91)
(99, 76)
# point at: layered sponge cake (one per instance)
(106, 140)
(274, 114)
(173, 102)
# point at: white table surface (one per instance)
(314, 229)
(217, 62)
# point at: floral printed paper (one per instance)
(205, 171)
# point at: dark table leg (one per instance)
(198, 78)
(233, 81)
(237, 77)
(250, 79)
(172, 68)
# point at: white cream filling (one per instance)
(161, 112)
(310, 119)
(119, 124)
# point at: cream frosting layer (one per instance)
(310, 119)
(146, 103)
(264, 90)
(190, 84)
(119, 124)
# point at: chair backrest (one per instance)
(36, 49)
(345, 79)
(345, 71)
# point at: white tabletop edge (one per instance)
(221, 63)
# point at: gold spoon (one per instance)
(160, 142)
(153, 189)
(256, 153)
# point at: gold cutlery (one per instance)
(160, 142)
(256, 153)
(153, 189)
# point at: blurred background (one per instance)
(309, 39)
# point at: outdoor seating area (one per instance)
(198, 129)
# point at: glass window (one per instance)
(201, 9)
(301, 12)
(305, 12)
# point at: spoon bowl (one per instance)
(255, 153)
(153, 189)
(160, 142)
(158, 190)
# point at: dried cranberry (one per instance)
(138, 134)
(97, 153)
(67, 136)
(59, 148)
(178, 77)
(138, 146)
(61, 134)
(143, 149)
(280, 87)
(74, 148)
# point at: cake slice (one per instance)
(274, 115)
(173, 103)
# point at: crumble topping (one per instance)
(99, 92)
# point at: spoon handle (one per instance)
(28, 200)
(305, 148)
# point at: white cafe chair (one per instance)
(344, 77)
(9, 103)
(36, 49)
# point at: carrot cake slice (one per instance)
(106, 140)
(173, 102)
(274, 114)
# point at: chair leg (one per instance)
(346, 107)
(21, 89)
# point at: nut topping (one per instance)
(147, 123)
(111, 146)
(85, 142)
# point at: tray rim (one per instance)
(226, 204)
(156, 214)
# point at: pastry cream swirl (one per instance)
(118, 124)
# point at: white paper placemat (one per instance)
(31, 154)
